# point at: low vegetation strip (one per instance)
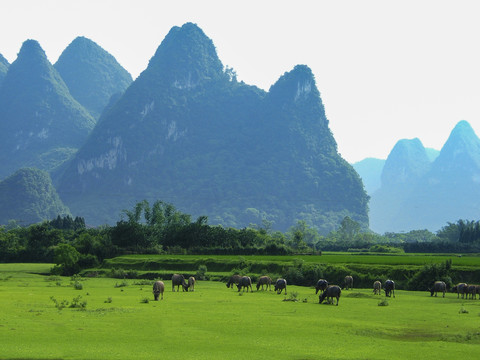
(301, 270)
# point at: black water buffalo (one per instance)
(321, 286)
(158, 288)
(438, 286)
(377, 287)
(178, 280)
(281, 284)
(461, 288)
(191, 283)
(234, 279)
(472, 291)
(264, 280)
(245, 282)
(332, 291)
(389, 288)
(348, 282)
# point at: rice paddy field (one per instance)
(51, 317)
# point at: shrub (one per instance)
(201, 272)
(384, 302)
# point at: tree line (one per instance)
(161, 228)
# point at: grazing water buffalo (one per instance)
(281, 284)
(389, 288)
(461, 288)
(472, 291)
(348, 282)
(439, 286)
(245, 282)
(264, 280)
(158, 288)
(377, 287)
(234, 279)
(178, 280)
(332, 291)
(191, 283)
(321, 286)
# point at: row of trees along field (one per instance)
(162, 228)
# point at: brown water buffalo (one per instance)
(332, 291)
(234, 279)
(191, 283)
(321, 286)
(245, 282)
(158, 288)
(460, 288)
(377, 287)
(179, 280)
(281, 284)
(439, 286)
(264, 280)
(348, 282)
(389, 288)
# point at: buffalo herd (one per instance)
(327, 291)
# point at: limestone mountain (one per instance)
(419, 194)
(92, 74)
(28, 197)
(370, 170)
(186, 132)
(3, 68)
(41, 124)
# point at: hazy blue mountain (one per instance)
(28, 196)
(188, 133)
(40, 123)
(3, 68)
(370, 170)
(432, 153)
(427, 195)
(91, 74)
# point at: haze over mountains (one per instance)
(417, 193)
(187, 132)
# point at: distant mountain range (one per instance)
(188, 133)
(418, 193)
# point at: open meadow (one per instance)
(118, 319)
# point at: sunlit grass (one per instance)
(219, 323)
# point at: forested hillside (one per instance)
(91, 74)
(28, 197)
(187, 132)
(41, 124)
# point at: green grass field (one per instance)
(219, 323)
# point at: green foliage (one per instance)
(28, 196)
(201, 273)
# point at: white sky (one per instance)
(386, 70)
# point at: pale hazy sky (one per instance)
(386, 70)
